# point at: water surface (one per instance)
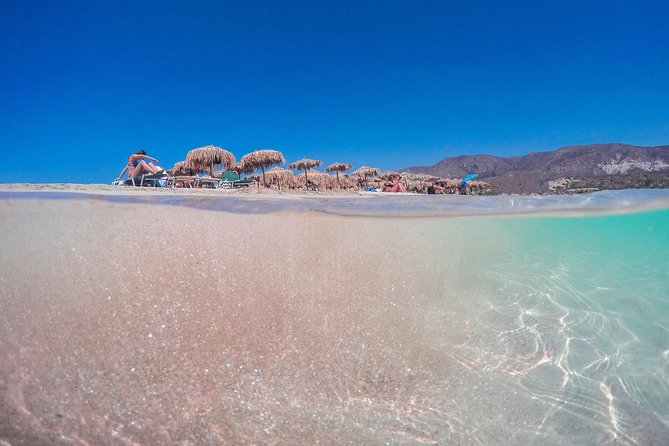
(496, 320)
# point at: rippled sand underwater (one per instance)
(302, 327)
(573, 318)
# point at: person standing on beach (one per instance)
(137, 165)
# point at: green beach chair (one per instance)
(230, 180)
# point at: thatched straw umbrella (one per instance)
(418, 182)
(452, 183)
(331, 181)
(255, 177)
(279, 176)
(478, 186)
(389, 175)
(305, 164)
(204, 158)
(261, 159)
(421, 177)
(322, 180)
(338, 167)
(181, 168)
(345, 183)
(366, 172)
(415, 186)
(237, 167)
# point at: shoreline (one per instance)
(347, 203)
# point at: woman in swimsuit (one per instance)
(138, 166)
(395, 186)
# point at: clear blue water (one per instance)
(571, 316)
(376, 320)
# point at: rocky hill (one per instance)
(568, 169)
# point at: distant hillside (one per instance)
(595, 166)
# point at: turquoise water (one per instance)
(375, 320)
(572, 315)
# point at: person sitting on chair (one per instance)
(395, 186)
(436, 188)
(137, 165)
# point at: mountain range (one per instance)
(567, 169)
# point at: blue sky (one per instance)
(388, 84)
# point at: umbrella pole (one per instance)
(338, 184)
(263, 176)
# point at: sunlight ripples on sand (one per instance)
(581, 338)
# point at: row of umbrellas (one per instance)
(205, 158)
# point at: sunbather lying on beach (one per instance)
(137, 165)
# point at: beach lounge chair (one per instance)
(148, 180)
(311, 187)
(207, 182)
(230, 180)
(182, 181)
(226, 184)
(243, 183)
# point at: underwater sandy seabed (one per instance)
(130, 321)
